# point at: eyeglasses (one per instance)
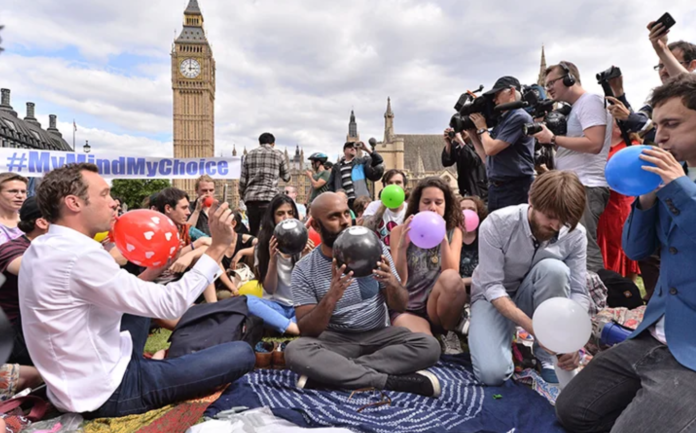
(661, 66)
(16, 191)
(550, 84)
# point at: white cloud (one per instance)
(296, 68)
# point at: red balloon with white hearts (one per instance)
(146, 238)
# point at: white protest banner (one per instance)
(36, 163)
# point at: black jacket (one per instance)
(471, 172)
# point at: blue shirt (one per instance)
(516, 160)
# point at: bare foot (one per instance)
(159, 354)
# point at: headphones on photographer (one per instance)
(569, 78)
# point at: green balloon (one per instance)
(392, 196)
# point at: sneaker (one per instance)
(548, 373)
(463, 325)
(421, 382)
(452, 345)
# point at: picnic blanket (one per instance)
(175, 418)
(464, 406)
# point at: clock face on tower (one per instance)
(190, 68)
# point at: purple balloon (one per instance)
(427, 230)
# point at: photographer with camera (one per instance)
(352, 172)
(585, 148)
(509, 153)
(471, 171)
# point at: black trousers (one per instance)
(255, 211)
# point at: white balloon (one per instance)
(562, 325)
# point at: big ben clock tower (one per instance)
(193, 83)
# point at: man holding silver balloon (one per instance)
(527, 254)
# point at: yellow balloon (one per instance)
(252, 288)
(101, 236)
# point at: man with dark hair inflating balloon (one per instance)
(346, 342)
(648, 383)
(86, 321)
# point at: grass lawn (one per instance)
(158, 340)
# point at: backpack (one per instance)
(207, 325)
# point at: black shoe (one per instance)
(305, 382)
(421, 382)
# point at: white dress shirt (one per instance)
(72, 295)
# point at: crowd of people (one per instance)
(81, 312)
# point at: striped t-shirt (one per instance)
(347, 179)
(362, 307)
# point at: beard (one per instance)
(541, 234)
(327, 236)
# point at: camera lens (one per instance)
(531, 128)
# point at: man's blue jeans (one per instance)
(150, 384)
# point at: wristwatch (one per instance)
(553, 140)
(481, 131)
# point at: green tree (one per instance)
(134, 191)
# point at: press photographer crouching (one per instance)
(509, 154)
(585, 148)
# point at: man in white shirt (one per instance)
(584, 149)
(73, 297)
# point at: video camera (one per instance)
(468, 104)
(555, 119)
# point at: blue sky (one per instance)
(297, 68)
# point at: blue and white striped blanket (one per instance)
(464, 406)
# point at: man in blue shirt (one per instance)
(648, 383)
(508, 153)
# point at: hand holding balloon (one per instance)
(563, 326)
(273, 248)
(405, 239)
(384, 273)
(662, 163)
(628, 173)
(339, 281)
(208, 202)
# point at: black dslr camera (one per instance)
(554, 119)
(469, 104)
(605, 76)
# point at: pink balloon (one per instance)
(427, 230)
(471, 220)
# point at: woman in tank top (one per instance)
(436, 291)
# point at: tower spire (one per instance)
(388, 122)
(193, 8)
(542, 68)
(352, 136)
